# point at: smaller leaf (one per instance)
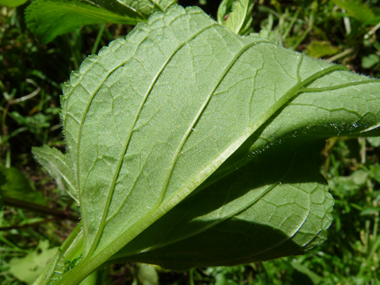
(56, 163)
(370, 60)
(370, 211)
(17, 186)
(223, 10)
(318, 49)
(374, 141)
(29, 267)
(313, 277)
(358, 10)
(147, 275)
(236, 15)
(12, 3)
(50, 18)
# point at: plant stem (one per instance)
(303, 36)
(39, 209)
(98, 38)
(31, 224)
(339, 55)
(191, 273)
(70, 249)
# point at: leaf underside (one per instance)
(261, 211)
(58, 166)
(183, 105)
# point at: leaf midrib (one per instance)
(199, 114)
(294, 91)
(216, 222)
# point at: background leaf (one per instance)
(359, 10)
(3, 180)
(50, 18)
(29, 267)
(147, 275)
(370, 60)
(236, 15)
(18, 186)
(318, 49)
(12, 3)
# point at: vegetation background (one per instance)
(31, 75)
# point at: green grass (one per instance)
(30, 82)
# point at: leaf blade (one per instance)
(56, 163)
(241, 218)
(130, 111)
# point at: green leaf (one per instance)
(359, 11)
(58, 166)
(276, 205)
(374, 141)
(223, 10)
(145, 7)
(312, 276)
(183, 103)
(50, 18)
(318, 49)
(236, 15)
(370, 211)
(12, 3)
(92, 279)
(3, 180)
(146, 275)
(28, 268)
(18, 186)
(370, 60)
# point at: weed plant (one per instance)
(31, 75)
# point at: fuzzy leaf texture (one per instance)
(58, 166)
(194, 146)
(50, 18)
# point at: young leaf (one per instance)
(223, 10)
(50, 18)
(55, 162)
(184, 101)
(236, 15)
